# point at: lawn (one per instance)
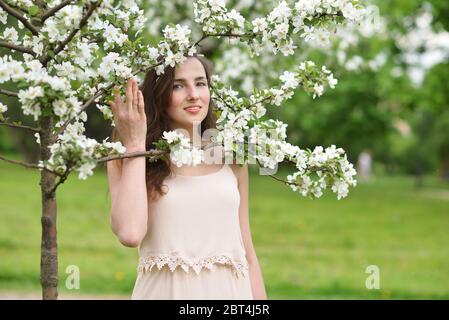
(307, 249)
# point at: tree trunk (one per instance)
(49, 245)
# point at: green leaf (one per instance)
(75, 84)
(33, 10)
(46, 111)
(22, 85)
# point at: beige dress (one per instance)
(193, 248)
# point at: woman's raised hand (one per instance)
(129, 117)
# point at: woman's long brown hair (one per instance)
(157, 91)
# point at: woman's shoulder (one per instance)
(238, 169)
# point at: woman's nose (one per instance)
(193, 93)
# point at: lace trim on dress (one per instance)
(172, 261)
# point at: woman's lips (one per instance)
(194, 109)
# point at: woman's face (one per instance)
(190, 95)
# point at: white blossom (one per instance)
(341, 188)
(289, 79)
(3, 108)
(3, 16)
(95, 66)
(11, 35)
(318, 90)
(85, 170)
(260, 24)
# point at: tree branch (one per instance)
(26, 165)
(8, 45)
(151, 153)
(291, 183)
(207, 35)
(20, 17)
(63, 176)
(274, 177)
(61, 180)
(17, 8)
(99, 94)
(9, 93)
(20, 126)
(55, 9)
(84, 106)
(83, 22)
(223, 100)
(42, 4)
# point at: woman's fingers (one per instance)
(132, 98)
(113, 108)
(129, 95)
(112, 105)
(141, 104)
(135, 94)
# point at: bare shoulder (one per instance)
(239, 171)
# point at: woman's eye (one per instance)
(176, 86)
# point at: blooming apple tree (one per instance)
(72, 54)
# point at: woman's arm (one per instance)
(257, 283)
(129, 210)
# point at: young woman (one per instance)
(190, 223)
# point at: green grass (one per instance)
(307, 249)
